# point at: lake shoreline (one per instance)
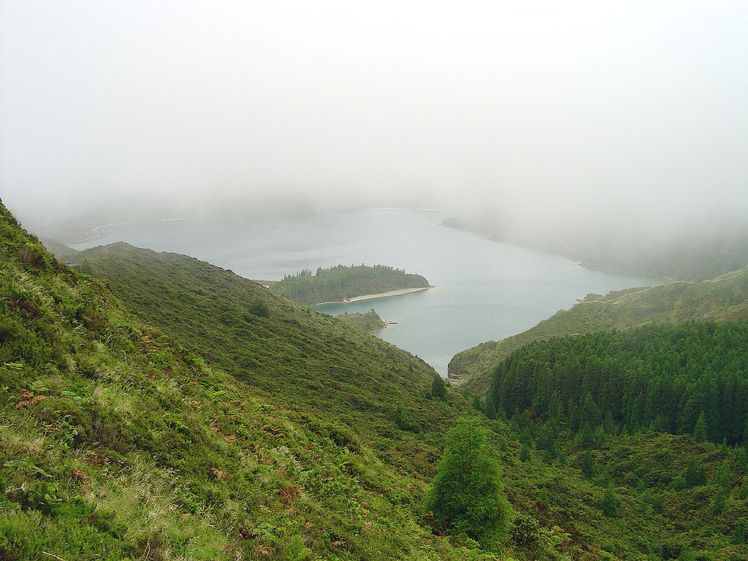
(388, 294)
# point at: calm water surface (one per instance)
(482, 289)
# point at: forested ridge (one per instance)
(724, 298)
(339, 283)
(691, 378)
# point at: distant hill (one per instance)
(705, 247)
(341, 283)
(720, 299)
(60, 250)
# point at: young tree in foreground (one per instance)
(467, 493)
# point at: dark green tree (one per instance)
(700, 431)
(467, 493)
(259, 308)
(439, 388)
(547, 440)
(587, 466)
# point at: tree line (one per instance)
(342, 282)
(691, 378)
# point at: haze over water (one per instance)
(482, 289)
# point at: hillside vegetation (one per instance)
(305, 359)
(115, 443)
(125, 437)
(721, 299)
(341, 283)
(691, 378)
(369, 321)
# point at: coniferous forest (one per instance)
(687, 379)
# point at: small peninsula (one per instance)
(348, 284)
(369, 321)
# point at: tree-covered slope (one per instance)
(690, 378)
(341, 283)
(720, 299)
(115, 443)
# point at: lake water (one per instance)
(482, 289)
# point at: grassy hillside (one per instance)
(341, 283)
(304, 359)
(720, 299)
(120, 441)
(115, 443)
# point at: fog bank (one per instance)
(537, 117)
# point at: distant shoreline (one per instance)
(364, 297)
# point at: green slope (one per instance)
(720, 299)
(115, 443)
(118, 441)
(305, 359)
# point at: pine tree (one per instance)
(700, 431)
(587, 466)
(547, 440)
(439, 388)
(609, 504)
(467, 493)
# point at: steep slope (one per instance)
(117, 444)
(302, 358)
(721, 299)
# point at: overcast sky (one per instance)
(525, 109)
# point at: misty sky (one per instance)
(586, 112)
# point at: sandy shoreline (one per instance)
(363, 297)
